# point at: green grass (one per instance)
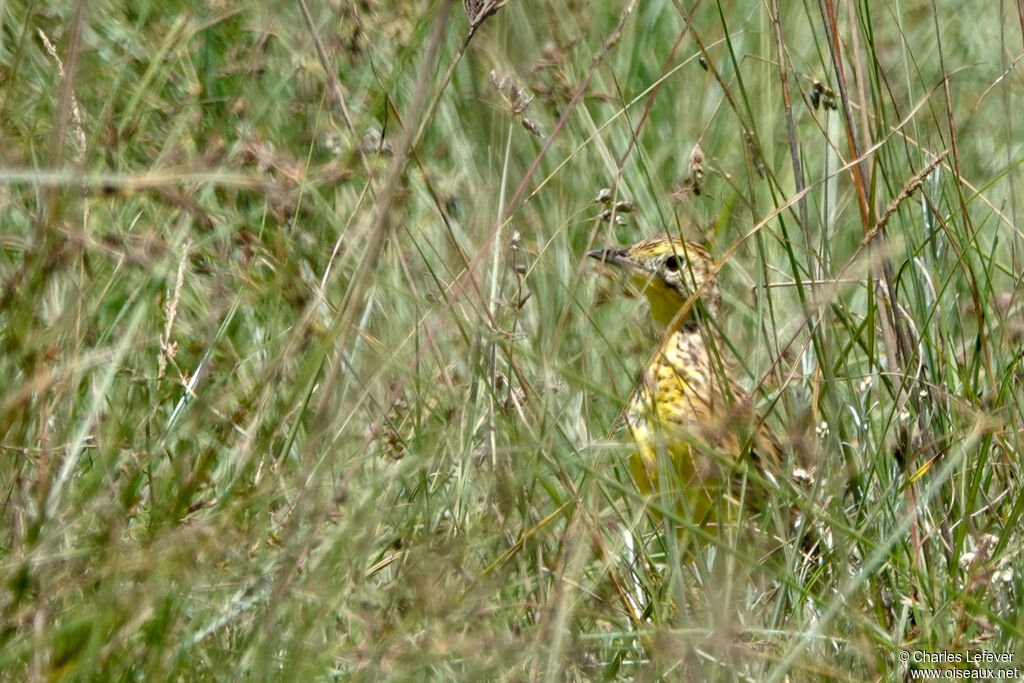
(283, 402)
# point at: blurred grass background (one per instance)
(305, 373)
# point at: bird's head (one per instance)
(668, 270)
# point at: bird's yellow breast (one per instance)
(679, 410)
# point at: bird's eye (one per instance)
(672, 263)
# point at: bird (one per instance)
(687, 404)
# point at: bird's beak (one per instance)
(613, 256)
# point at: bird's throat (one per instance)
(664, 302)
